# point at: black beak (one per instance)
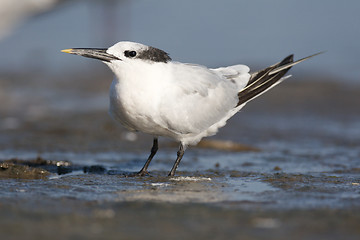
(97, 53)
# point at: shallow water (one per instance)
(304, 179)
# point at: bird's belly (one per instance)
(136, 115)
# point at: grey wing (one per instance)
(200, 98)
(236, 73)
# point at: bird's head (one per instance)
(123, 52)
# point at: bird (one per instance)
(153, 94)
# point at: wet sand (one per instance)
(293, 173)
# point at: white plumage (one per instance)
(173, 99)
(185, 102)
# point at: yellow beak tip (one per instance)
(67, 50)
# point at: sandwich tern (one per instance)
(186, 102)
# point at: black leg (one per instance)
(154, 149)
(180, 154)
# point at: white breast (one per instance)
(135, 94)
(181, 101)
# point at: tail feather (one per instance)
(267, 78)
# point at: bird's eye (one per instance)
(130, 53)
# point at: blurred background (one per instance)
(208, 32)
(37, 80)
(53, 110)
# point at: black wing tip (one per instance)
(264, 80)
(286, 60)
